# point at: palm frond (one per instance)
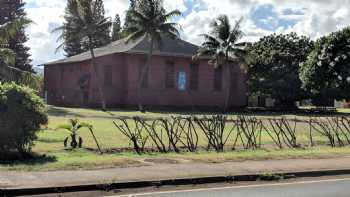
(149, 18)
(170, 30)
(236, 33)
(204, 51)
(65, 127)
(10, 29)
(7, 56)
(137, 16)
(73, 122)
(221, 27)
(135, 36)
(23, 77)
(59, 29)
(168, 16)
(221, 45)
(59, 47)
(86, 125)
(211, 39)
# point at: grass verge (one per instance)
(50, 144)
(85, 160)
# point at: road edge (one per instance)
(167, 182)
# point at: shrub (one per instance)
(22, 113)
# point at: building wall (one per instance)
(61, 82)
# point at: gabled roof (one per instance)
(169, 47)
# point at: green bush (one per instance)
(22, 113)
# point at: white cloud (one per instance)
(46, 17)
(313, 18)
(175, 4)
(193, 25)
(320, 16)
(114, 7)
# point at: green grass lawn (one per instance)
(110, 137)
(50, 143)
(80, 159)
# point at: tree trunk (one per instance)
(229, 89)
(99, 85)
(144, 72)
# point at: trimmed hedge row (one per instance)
(178, 134)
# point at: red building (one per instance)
(173, 79)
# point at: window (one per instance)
(170, 75)
(182, 81)
(218, 79)
(108, 81)
(194, 77)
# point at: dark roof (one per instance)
(169, 47)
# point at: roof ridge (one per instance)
(174, 47)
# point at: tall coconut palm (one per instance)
(149, 19)
(222, 46)
(88, 26)
(9, 30)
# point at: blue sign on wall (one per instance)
(182, 81)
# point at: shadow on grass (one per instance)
(29, 159)
(47, 140)
(248, 112)
(206, 111)
(54, 111)
(298, 112)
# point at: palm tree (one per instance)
(222, 47)
(9, 30)
(149, 19)
(87, 26)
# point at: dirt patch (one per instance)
(162, 161)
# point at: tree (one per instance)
(16, 43)
(149, 19)
(326, 72)
(73, 46)
(273, 67)
(8, 57)
(222, 47)
(116, 28)
(127, 20)
(103, 34)
(89, 27)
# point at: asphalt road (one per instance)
(322, 188)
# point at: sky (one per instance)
(312, 18)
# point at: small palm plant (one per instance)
(73, 127)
